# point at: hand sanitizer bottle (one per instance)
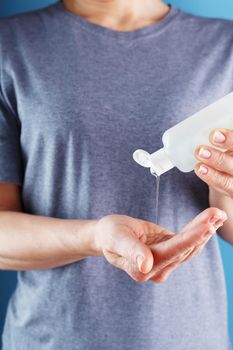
(181, 140)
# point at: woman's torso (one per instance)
(87, 97)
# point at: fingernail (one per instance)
(218, 218)
(204, 153)
(203, 170)
(140, 261)
(224, 216)
(219, 137)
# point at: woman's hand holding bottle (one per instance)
(216, 167)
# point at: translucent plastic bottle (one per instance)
(181, 140)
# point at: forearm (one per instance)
(225, 203)
(30, 242)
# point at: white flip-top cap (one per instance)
(159, 162)
(142, 158)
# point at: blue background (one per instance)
(211, 8)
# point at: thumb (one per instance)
(145, 262)
(136, 252)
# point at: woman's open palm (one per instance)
(148, 251)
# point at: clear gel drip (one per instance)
(157, 179)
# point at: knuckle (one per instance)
(218, 179)
(225, 182)
(230, 139)
(219, 159)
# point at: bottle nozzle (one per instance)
(159, 162)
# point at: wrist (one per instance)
(89, 238)
(92, 234)
(82, 238)
(98, 238)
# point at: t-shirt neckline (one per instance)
(122, 35)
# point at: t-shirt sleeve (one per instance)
(11, 169)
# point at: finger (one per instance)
(184, 257)
(176, 248)
(215, 178)
(222, 138)
(210, 215)
(207, 216)
(164, 274)
(138, 254)
(198, 232)
(195, 251)
(218, 160)
(176, 255)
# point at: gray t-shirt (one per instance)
(76, 100)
